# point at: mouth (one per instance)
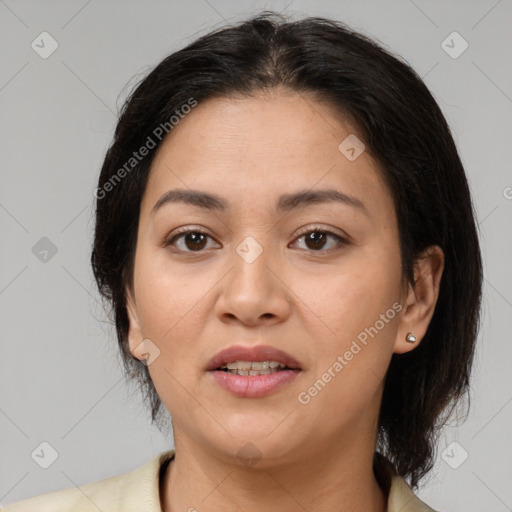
(253, 372)
(258, 358)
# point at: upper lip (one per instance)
(256, 353)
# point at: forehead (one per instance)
(253, 149)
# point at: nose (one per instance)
(253, 293)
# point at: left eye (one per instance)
(317, 240)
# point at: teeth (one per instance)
(253, 372)
(253, 367)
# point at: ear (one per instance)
(134, 331)
(421, 298)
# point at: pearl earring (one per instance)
(410, 338)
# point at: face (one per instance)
(297, 251)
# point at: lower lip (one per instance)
(253, 386)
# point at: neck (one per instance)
(338, 479)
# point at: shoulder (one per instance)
(402, 498)
(139, 488)
(80, 499)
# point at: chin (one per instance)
(259, 453)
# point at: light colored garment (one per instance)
(138, 491)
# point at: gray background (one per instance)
(60, 376)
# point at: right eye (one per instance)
(189, 240)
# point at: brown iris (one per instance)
(317, 238)
(197, 241)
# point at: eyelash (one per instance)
(314, 229)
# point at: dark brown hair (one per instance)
(404, 130)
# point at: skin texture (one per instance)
(311, 301)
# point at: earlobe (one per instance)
(421, 300)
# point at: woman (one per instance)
(285, 234)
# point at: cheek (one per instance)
(171, 304)
(351, 295)
(165, 292)
(172, 313)
(359, 311)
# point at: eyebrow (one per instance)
(285, 202)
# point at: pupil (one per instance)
(196, 238)
(317, 238)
